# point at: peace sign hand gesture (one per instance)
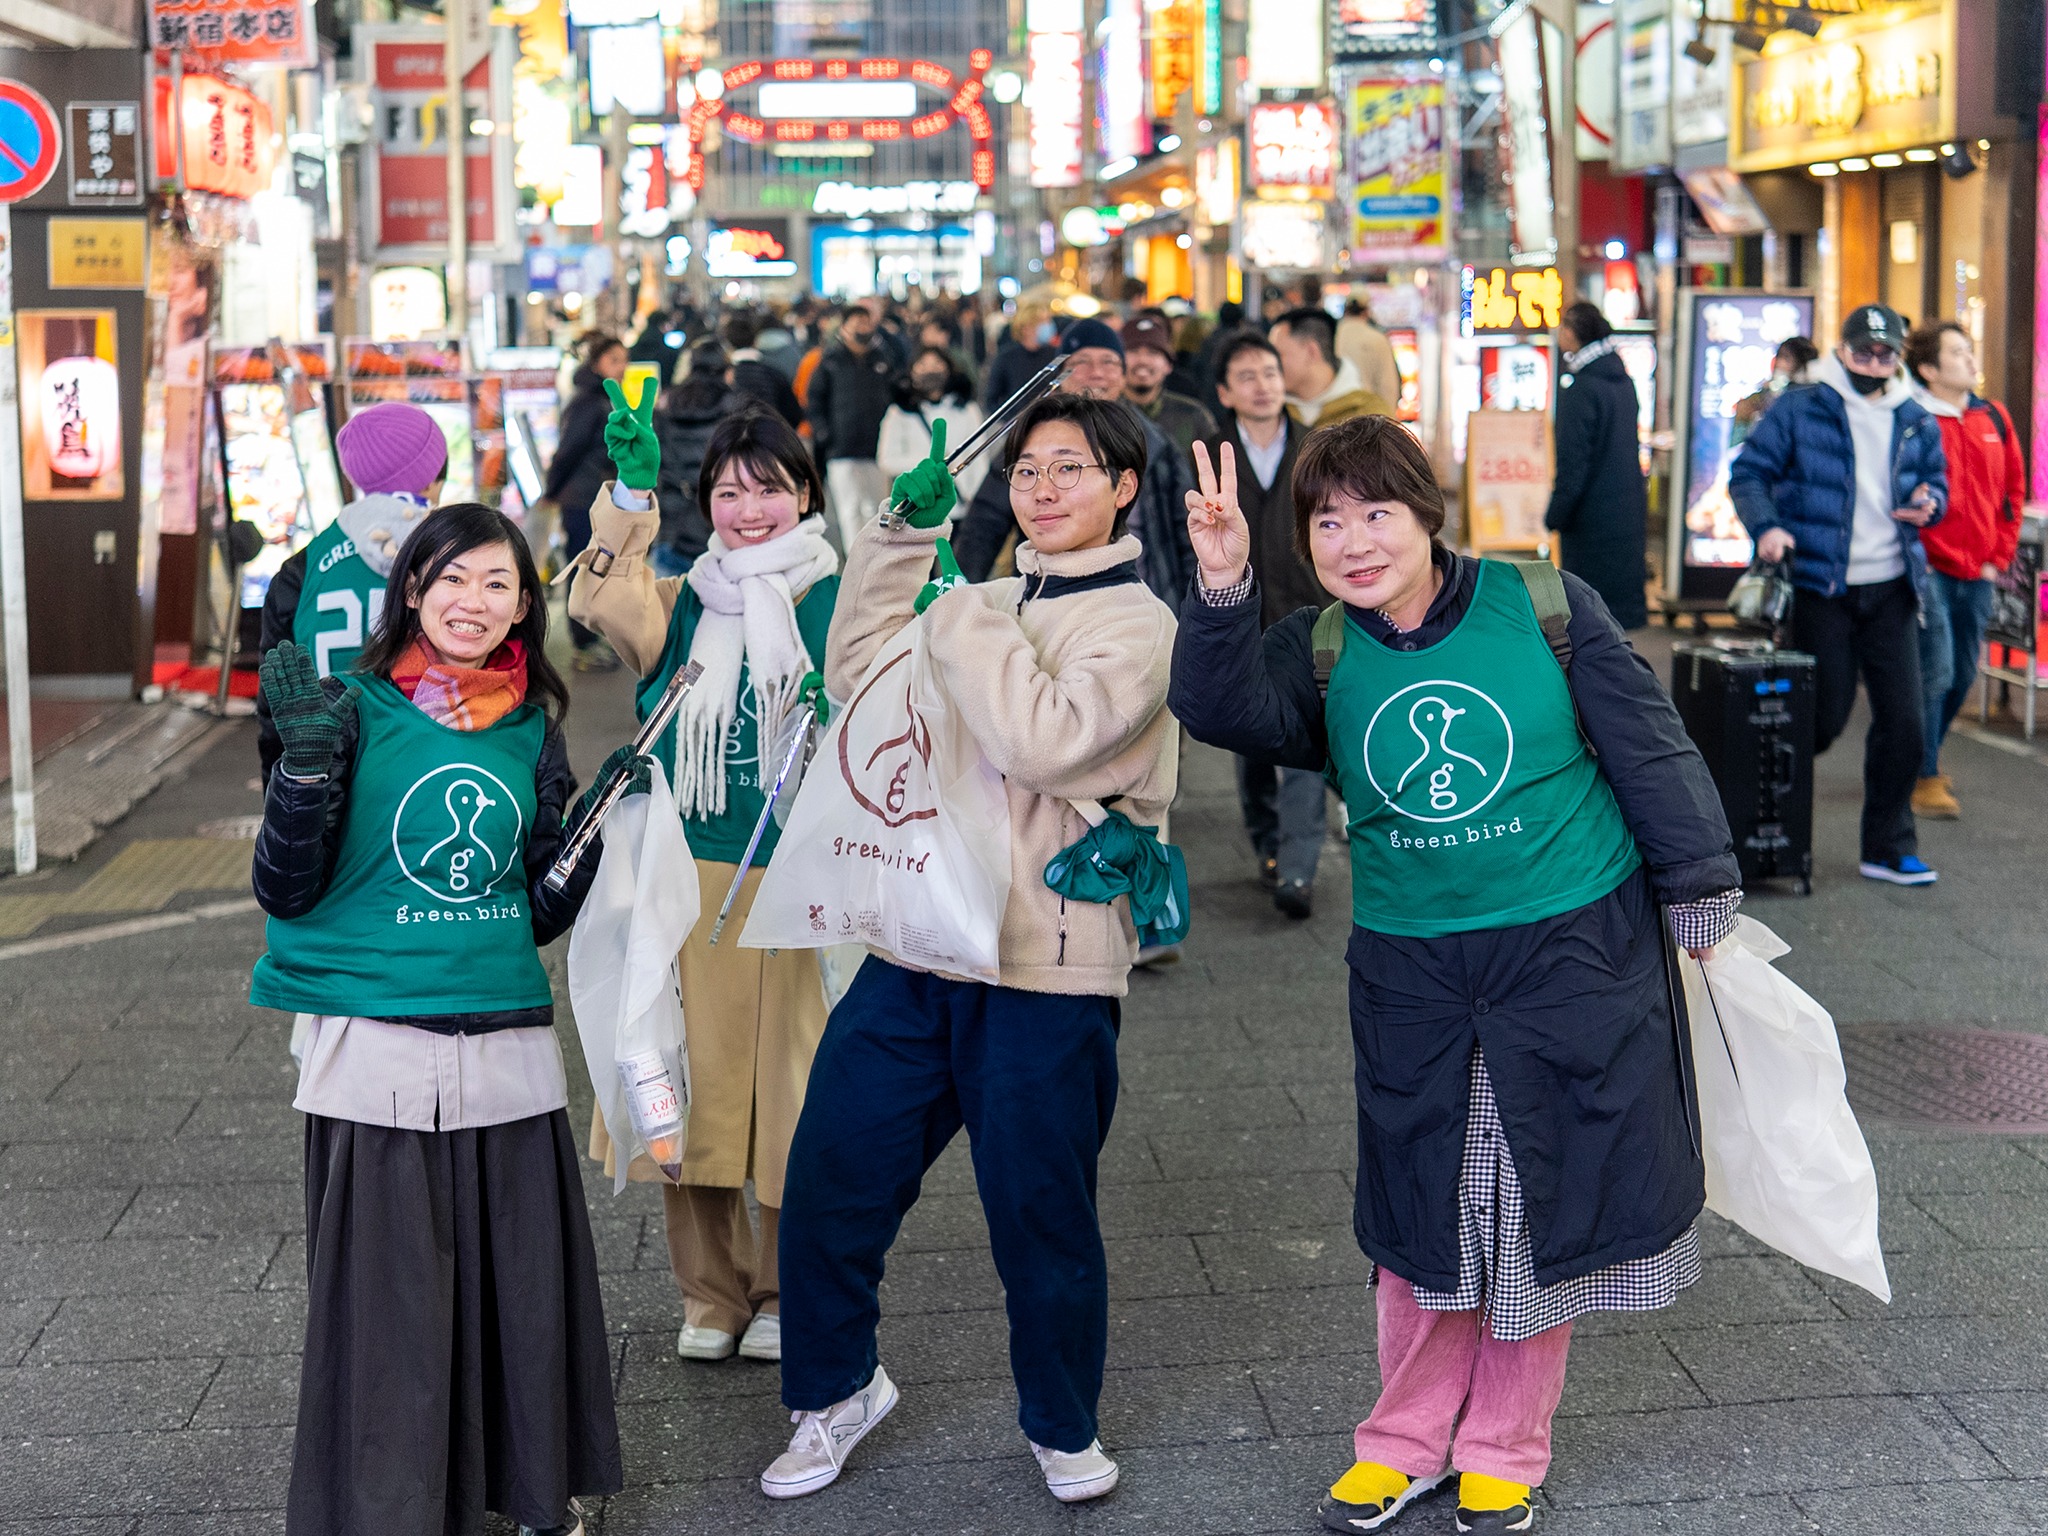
(629, 437)
(1216, 526)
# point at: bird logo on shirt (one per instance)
(1438, 750)
(458, 832)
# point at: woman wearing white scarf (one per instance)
(753, 611)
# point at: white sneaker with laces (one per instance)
(823, 1440)
(763, 1338)
(1074, 1476)
(695, 1343)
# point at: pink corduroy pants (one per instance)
(1452, 1395)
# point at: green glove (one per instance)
(308, 724)
(927, 491)
(640, 780)
(950, 576)
(629, 438)
(811, 691)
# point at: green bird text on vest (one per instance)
(1474, 801)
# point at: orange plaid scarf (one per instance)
(466, 698)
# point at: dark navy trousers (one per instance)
(906, 1061)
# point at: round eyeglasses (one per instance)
(1065, 474)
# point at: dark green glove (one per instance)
(927, 492)
(306, 722)
(950, 576)
(811, 691)
(629, 437)
(639, 781)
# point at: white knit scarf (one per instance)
(749, 615)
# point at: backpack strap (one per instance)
(1553, 608)
(1326, 641)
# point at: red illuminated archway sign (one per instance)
(963, 105)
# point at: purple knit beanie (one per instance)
(391, 447)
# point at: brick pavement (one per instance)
(151, 1256)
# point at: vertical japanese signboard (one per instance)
(105, 141)
(1394, 183)
(1053, 91)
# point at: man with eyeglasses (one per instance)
(1839, 478)
(1158, 516)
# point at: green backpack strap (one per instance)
(1553, 608)
(1326, 641)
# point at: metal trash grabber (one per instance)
(806, 717)
(658, 720)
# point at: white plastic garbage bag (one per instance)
(900, 837)
(622, 979)
(1785, 1158)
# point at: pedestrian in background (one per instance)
(851, 391)
(456, 1358)
(1031, 343)
(1060, 676)
(1149, 361)
(1229, 321)
(753, 611)
(1284, 807)
(1790, 365)
(581, 465)
(329, 596)
(1839, 477)
(1366, 347)
(687, 416)
(1969, 548)
(935, 390)
(1526, 1151)
(1322, 389)
(1599, 501)
(752, 374)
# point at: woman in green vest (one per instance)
(456, 1359)
(754, 610)
(1524, 810)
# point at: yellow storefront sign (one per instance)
(98, 253)
(1883, 79)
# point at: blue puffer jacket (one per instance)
(1797, 471)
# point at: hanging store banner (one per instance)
(1866, 85)
(1173, 57)
(1284, 45)
(225, 135)
(1293, 144)
(237, 31)
(1699, 92)
(1532, 208)
(1593, 84)
(1284, 237)
(1053, 91)
(1123, 126)
(1642, 136)
(405, 183)
(1394, 175)
(1362, 29)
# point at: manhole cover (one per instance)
(232, 829)
(1965, 1079)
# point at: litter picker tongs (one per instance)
(1004, 417)
(614, 791)
(800, 738)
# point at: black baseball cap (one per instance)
(1872, 325)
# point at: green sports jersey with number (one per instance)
(1475, 802)
(339, 602)
(427, 909)
(722, 839)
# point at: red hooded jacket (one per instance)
(1987, 488)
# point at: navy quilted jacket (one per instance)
(1797, 471)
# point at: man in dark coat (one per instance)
(1599, 503)
(1284, 808)
(852, 390)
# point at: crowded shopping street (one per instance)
(1220, 766)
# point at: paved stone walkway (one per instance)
(151, 1249)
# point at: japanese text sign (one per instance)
(239, 31)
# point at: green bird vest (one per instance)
(427, 910)
(1475, 802)
(723, 839)
(338, 603)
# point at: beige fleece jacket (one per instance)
(1067, 697)
(629, 605)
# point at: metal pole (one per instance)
(615, 148)
(13, 582)
(457, 120)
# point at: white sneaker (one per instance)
(763, 1339)
(824, 1440)
(1076, 1475)
(704, 1343)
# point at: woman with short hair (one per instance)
(1523, 802)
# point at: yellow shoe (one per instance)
(1489, 1504)
(1935, 799)
(1369, 1496)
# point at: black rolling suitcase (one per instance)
(1749, 709)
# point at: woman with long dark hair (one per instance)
(456, 1359)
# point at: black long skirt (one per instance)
(456, 1359)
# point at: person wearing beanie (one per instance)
(328, 596)
(987, 531)
(1148, 364)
